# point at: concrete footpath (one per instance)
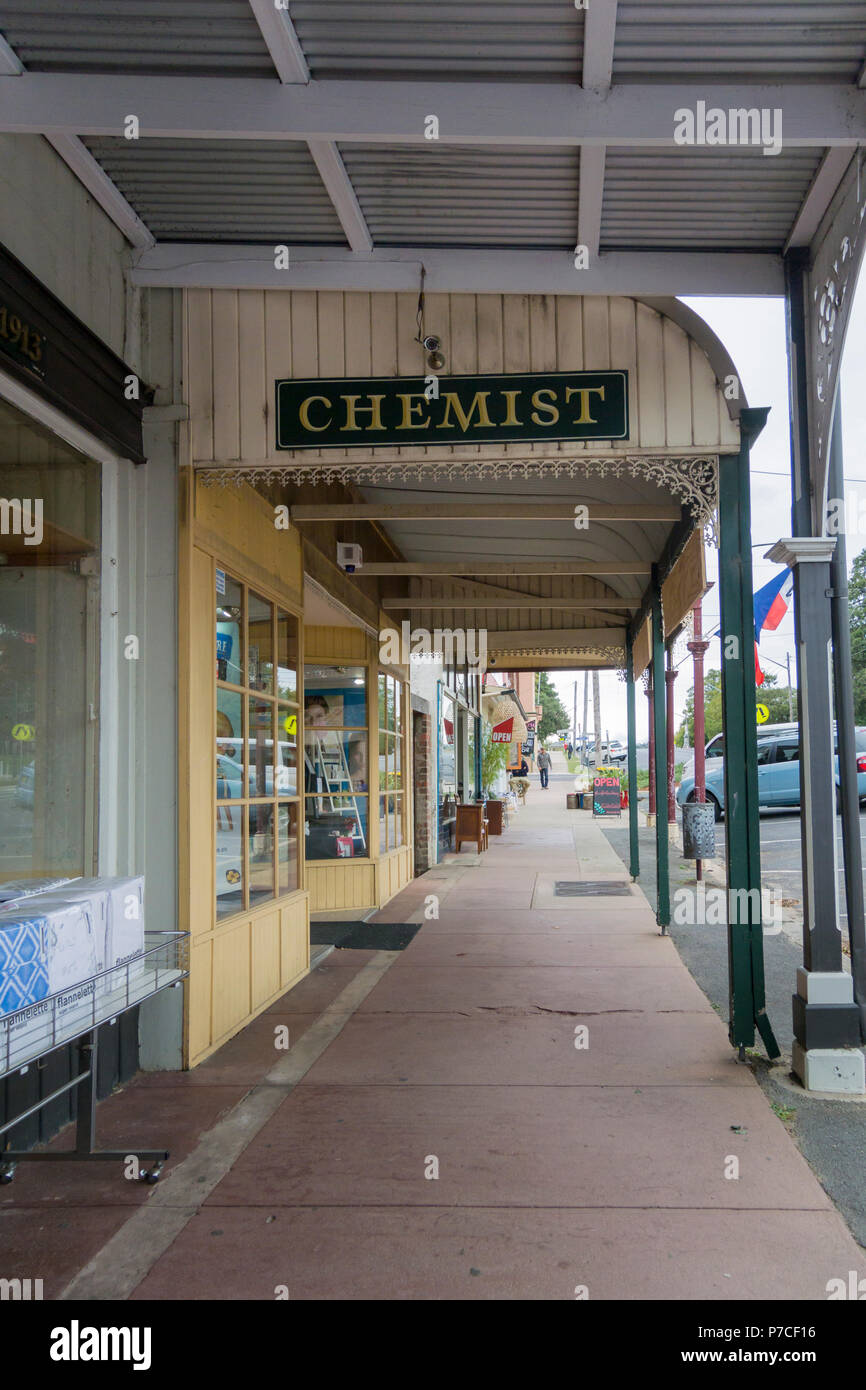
(533, 1100)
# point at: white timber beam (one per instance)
(599, 28)
(469, 566)
(86, 169)
(478, 589)
(10, 64)
(577, 605)
(556, 637)
(827, 178)
(287, 56)
(106, 193)
(494, 271)
(470, 113)
(590, 199)
(282, 42)
(332, 172)
(485, 511)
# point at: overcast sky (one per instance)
(753, 330)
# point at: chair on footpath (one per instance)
(471, 825)
(521, 787)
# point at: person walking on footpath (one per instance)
(544, 764)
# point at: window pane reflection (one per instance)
(260, 640)
(287, 655)
(261, 823)
(287, 847)
(261, 748)
(229, 745)
(229, 860)
(229, 617)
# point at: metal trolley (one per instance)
(76, 1016)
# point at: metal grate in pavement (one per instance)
(591, 888)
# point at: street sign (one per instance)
(763, 714)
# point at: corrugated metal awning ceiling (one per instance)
(455, 38)
(157, 36)
(703, 197)
(216, 190)
(466, 196)
(739, 40)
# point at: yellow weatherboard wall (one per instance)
(241, 964)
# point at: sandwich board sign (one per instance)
(606, 798)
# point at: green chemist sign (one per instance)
(345, 414)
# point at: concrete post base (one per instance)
(826, 1054)
(839, 1069)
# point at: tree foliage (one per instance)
(554, 715)
(771, 694)
(857, 613)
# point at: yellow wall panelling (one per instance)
(240, 965)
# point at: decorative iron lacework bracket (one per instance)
(832, 282)
(693, 479)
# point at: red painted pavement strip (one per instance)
(243, 1060)
(581, 1146)
(52, 1242)
(450, 988)
(553, 949)
(405, 1253)
(499, 1049)
(489, 919)
(170, 1117)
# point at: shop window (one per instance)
(336, 777)
(447, 763)
(257, 714)
(391, 761)
(49, 653)
(471, 769)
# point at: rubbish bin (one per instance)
(571, 801)
(699, 830)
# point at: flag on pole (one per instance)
(770, 607)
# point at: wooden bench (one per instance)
(471, 825)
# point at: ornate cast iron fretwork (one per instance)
(832, 281)
(693, 480)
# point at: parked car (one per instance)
(613, 752)
(778, 769)
(24, 787)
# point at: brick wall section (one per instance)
(425, 790)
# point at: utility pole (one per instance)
(670, 677)
(574, 718)
(790, 692)
(596, 716)
(585, 708)
(698, 647)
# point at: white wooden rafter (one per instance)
(287, 56)
(599, 29)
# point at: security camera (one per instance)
(492, 660)
(432, 343)
(350, 556)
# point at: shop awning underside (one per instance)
(576, 617)
(371, 136)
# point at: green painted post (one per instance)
(742, 820)
(634, 852)
(663, 894)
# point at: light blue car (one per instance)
(778, 769)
